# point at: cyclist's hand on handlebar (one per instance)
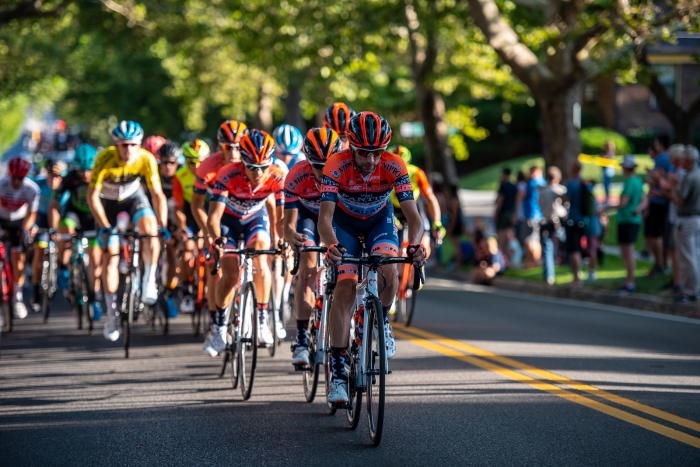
(418, 254)
(298, 240)
(335, 253)
(104, 234)
(165, 233)
(438, 231)
(219, 243)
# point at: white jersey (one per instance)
(17, 204)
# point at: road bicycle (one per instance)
(405, 302)
(7, 315)
(200, 315)
(369, 364)
(317, 326)
(81, 293)
(275, 308)
(242, 319)
(48, 282)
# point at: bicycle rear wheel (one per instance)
(408, 306)
(352, 415)
(75, 294)
(84, 295)
(272, 323)
(248, 340)
(310, 375)
(375, 376)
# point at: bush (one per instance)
(593, 140)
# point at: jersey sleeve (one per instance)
(220, 192)
(149, 170)
(177, 193)
(201, 179)
(423, 184)
(329, 182)
(98, 170)
(33, 200)
(402, 183)
(62, 190)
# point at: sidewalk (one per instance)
(636, 301)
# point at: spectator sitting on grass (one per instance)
(629, 219)
(532, 215)
(513, 251)
(487, 262)
(656, 218)
(688, 200)
(551, 201)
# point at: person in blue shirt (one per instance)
(532, 215)
(575, 225)
(656, 219)
(55, 170)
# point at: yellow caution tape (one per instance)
(599, 161)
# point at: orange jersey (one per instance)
(206, 173)
(233, 188)
(301, 188)
(360, 196)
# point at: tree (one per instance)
(558, 45)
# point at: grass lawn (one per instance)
(611, 237)
(488, 178)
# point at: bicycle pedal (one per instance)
(343, 405)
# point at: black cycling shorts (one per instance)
(136, 205)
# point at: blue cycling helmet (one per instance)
(84, 157)
(288, 139)
(127, 131)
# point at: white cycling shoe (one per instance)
(111, 329)
(266, 336)
(301, 356)
(149, 293)
(20, 310)
(216, 341)
(339, 392)
(280, 331)
(389, 341)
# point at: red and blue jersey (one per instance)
(206, 173)
(242, 201)
(301, 188)
(359, 196)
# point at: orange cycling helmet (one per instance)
(257, 148)
(337, 117)
(320, 144)
(231, 132)
(369, 131)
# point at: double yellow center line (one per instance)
(554, 384)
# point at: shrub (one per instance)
(593, 140)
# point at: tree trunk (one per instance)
(438, 156)
(561, 141)
(263, 119)
(292, 107)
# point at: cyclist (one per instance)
(302, 199)
(47, 185)
(288, 145)
(19, 202)
(421, 186)
(167, 156)
(238, 208)
(153, 143)
(195, 152)
(115, 186)
(77, 217)
(337, 118)
(359, 182)
(229, 137)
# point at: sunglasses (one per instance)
(229, 146)
(318, 166)
(126, 145)
(171, 162)
(257, 168)
(376, 153)
(192, 161)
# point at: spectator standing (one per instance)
(518, 218)
(608, 172)
(688, 233)
(455, 224)
(532, 215)
(577, 194)
(594, 233)
(670, 184)
(505, 206)
(655, 225)
(513, 251)
(629, 219)
(551, 202)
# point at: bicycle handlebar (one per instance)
(305, 249)
(239, 251)
(375, 261)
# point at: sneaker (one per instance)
(63, 279)
(592, 277)
(339, 392)
(216, 341)
(96, 311)
(389, 340)
(280, 331)
(301, 356)
(36, 299)
(149, 293)
(20, 310)
(187, 304)
(171, 307)
(111, 329)
(655, 271)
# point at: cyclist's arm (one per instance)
(291, 235)
(279, 225)
(54, 214)
(433, 208)
(415, 224)
(160, 205)
(198, 212)
(216, 211)
(98, 211)
(325, 223)
(29, 221)
(274, 217)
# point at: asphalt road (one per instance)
(482, 378)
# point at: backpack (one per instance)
(587, 200)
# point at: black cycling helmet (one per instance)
(169, 150)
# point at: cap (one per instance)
(629, 162)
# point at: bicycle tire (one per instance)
(375, 376)
(85, 293)
(232, 353)
(331, 409)
(77, 309)
(128, 316)
(310, 375)
(272, 324)
(248, 341)
(7, 316)
(352, 415)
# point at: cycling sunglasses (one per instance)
(229, 146)
(376, 153)
(317, 165)
(126, 145)
(256, 167)
(192, 160)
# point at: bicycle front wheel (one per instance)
(76, 291)
(248, 339)
(375, 375)
(310, 375)
(84, 296)
(272, 323)
(352, 414)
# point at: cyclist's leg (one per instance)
(14, 232)
(110, 270)
(67, 226)
(304, 296)
(257, 235)
(143, 216)
(40, 243)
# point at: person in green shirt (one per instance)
(629, 219)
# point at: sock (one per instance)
(338, 363)
(302, 326)
(262, 312)
(111, 302)
(149, 274)
(37, 287)
(220, 316)
(212, 317)
(385, 310)
(17, 288)
(98, 295)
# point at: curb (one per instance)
(632, 300)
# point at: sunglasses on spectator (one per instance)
(376, 153)
(229, 146)
(257, 168)
(126, 145)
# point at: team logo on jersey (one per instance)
(291, 185)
